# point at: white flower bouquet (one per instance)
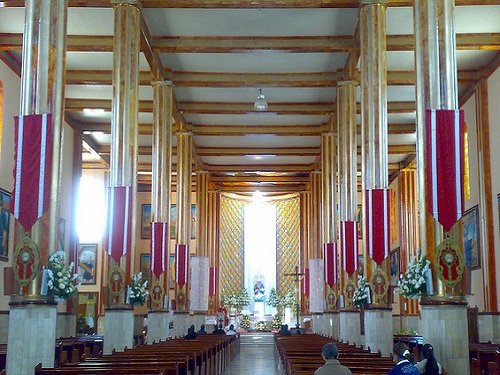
(138, 291)
(413, 282)
(61, 282)
(241, 298)
(360, 297)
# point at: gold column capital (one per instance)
(374, 2)
(347, 83)
(136, 3)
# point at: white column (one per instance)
(350, 327)
(34, 326)
(118, 329)
(378, 331)
(157, 326)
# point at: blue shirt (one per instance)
(404, 367)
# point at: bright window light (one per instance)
(91, 209)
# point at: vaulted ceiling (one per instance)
(218, 53)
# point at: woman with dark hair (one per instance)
(403, 365)
(428, 365)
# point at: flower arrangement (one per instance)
(62, 283)
(360, 297)
(260, 326)
(273, 300)
(289, 299)
(138, 292)
(277, 321)
(245, 322)
(241, 298)
(412, 283)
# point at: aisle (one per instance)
(256, 356)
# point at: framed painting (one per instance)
(394, 267)
(470, 238)
(171, 271)
(5, 197)
(146, 222)
(361, 261)
(359, 218)
(145, 266)
(173, 221)
(87, 263)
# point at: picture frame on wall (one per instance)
(5, 198)
(146, 222)
(87, 263)
(394, 258)
(145, 266)
(171, 271)
(173, 221)
(62, 233)
(470, 238)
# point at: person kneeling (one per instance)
(330, 354)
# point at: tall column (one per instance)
(118, 317)
(437, 88)
(350, 329)
(213, 249)
(183, 236)
(329, 228)
(316, 267)
(160, 209)
(201, 262)
(378, 319)
(32, 317)
(304, 249)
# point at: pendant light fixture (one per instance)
(260, 103)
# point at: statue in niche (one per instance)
(259, 290)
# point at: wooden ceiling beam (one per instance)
(275, 179)
(246, 4)
(236, 80)
(221, 108)
(228, 44)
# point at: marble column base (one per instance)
(118, 329)
(181, 323)
(65, 325)
(350, 329)
(378, 330)
(31, 328)
(198, 319)
(157, 326)
(445, 328)
(317, 323)
(489, 327)
(331, 324)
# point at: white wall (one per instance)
(11, 87)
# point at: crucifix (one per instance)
(297, 275)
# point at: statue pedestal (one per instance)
(157, 326)
(350, 328)
(444, 326)
(31, 327)
(378, 329)
(118, 328)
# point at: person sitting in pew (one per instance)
(218, 330)
(332, 366)
(428, 365)
(284, 331)
(403, 365)
(191, 334)
(202, 331)
(231, 331)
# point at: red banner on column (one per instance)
(33, 142)
(444, 165)
(378, 203)
(181, 265)
(159, 248)
(305, 283)
(330, 259)
(212, 281)
(119, 221)
(349, 244)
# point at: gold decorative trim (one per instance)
(450, 262)
(379, 285)
(116, 283)
(157, 293)
(26, 260)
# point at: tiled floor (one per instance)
(256, 356)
